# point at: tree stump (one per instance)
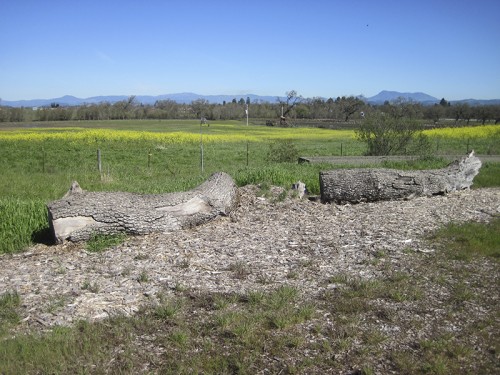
(374, 184)
(80, 214)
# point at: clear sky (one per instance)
(328, 48)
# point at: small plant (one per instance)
(91, 287)
(255, 297)
(264, 279)
(9, 302)
(292, 275)
(126, 271)
(221, 301)
(178, 287)
(240, 269)
(179, 338)
(184, 264)
(264, 190)
(282, 151)
(56, 303)
(282, 196)
(101, 242)
(61, 270)
(168, 309)
(282, 296)
(143, 277)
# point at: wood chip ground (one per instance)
(266, 242)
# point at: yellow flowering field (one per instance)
(483, 131)
(217, 133)
(221, 133)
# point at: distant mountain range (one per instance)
(182, 98)
(188, 97)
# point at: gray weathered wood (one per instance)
(373, 184)
(81, 214)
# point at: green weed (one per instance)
(9, 303)
(101, 242)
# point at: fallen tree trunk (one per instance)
(374, 184)
(79, 214)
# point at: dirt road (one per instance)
(377, 160)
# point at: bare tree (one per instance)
(292, 99)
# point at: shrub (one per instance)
(385, 135)
(282, 151)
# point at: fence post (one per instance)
(149, 158)
(43, 159)
(99, 166)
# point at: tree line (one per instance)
(284, 112)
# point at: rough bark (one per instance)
(374, 184)
(81, 214)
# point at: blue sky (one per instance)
(325, 48)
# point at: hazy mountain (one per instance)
(188, 97)
(183, 98)
(476, 101)
(391, 96)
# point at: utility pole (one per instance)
(201, 146)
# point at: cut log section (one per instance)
(374, 184)
(80, 214)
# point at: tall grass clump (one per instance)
(22, 222)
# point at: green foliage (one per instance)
(386, 135)
(282, 151)
(489, 176)
(22, 222)
(9, 303)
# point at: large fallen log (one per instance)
(80, 214)
(374, 184)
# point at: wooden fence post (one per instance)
(99, 166)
